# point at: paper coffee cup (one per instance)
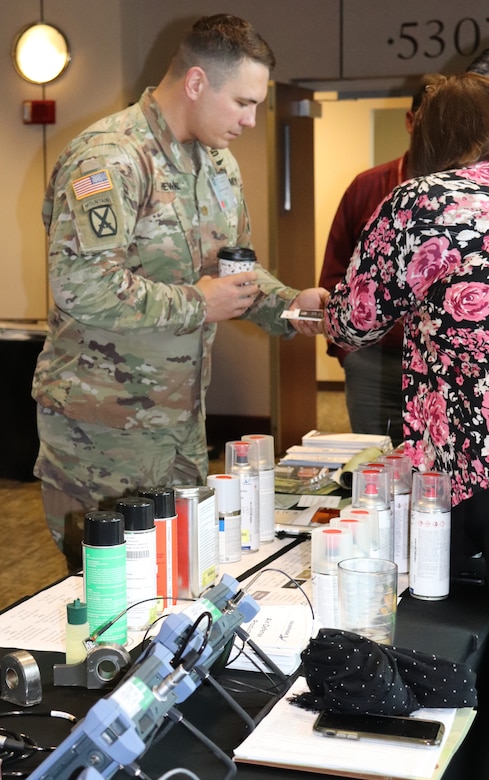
(235, 259)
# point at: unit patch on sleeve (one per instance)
(98, 215)
(99, 181)
(103, 221)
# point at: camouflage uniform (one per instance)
(134, 221)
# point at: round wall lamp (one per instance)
(40, 53)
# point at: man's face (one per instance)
(220, 114)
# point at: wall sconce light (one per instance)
(40, 53)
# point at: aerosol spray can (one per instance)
(104, 574)
(242, 459)
(371, 489)
(266, 484)
(228, 502)
(140, 536)
(379, 465)
(166, 543)
(329, 545)
(402, 480)
(429, 568)
(198, 540)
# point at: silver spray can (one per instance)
(402, 481)
(242, 459)
(371, 489)
(429, 567)
(198, 543)
(266, 483)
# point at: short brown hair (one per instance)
(451, 127)
(218, 44)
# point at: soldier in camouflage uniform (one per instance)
(136, 210)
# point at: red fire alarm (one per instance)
(39, 112)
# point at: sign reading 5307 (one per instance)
(395, 38)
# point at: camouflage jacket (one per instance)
(133, 222)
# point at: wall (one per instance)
(91, 87)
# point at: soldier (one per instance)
(136, 210)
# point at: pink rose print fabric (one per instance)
(424, 257)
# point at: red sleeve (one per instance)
(358, 203)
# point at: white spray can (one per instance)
(429, 567)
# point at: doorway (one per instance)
(351, 136)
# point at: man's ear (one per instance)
(195, 81)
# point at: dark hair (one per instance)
(219, 44)
(481, 64)
(419, 93)
(451, 127)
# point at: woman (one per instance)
(424, 256)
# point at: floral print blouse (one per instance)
(424, 256)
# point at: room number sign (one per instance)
(395, 38)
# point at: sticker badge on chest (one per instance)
(223, 191)
(103, 221)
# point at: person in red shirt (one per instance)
(373, 374)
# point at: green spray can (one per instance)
(104, 574)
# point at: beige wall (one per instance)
(91, 87)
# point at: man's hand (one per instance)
(312, 298)
(228, 296)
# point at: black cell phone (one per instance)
(389, 727)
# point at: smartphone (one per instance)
(394, 728)
(303, 314)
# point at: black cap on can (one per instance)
(241, 253)
(138, 512)
(163, 499)
(103, 529)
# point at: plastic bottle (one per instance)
(140, 536)
(104, 574)
(429, 567)
(241, 459)
(77, 631)
(266, 484)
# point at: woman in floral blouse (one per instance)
(424, 256)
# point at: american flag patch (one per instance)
(89, 185)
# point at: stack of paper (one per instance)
(332, 449)
(281, 632)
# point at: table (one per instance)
(457, 628)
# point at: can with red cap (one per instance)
(429, 565)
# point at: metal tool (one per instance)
(20, 679)
(102, 668)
